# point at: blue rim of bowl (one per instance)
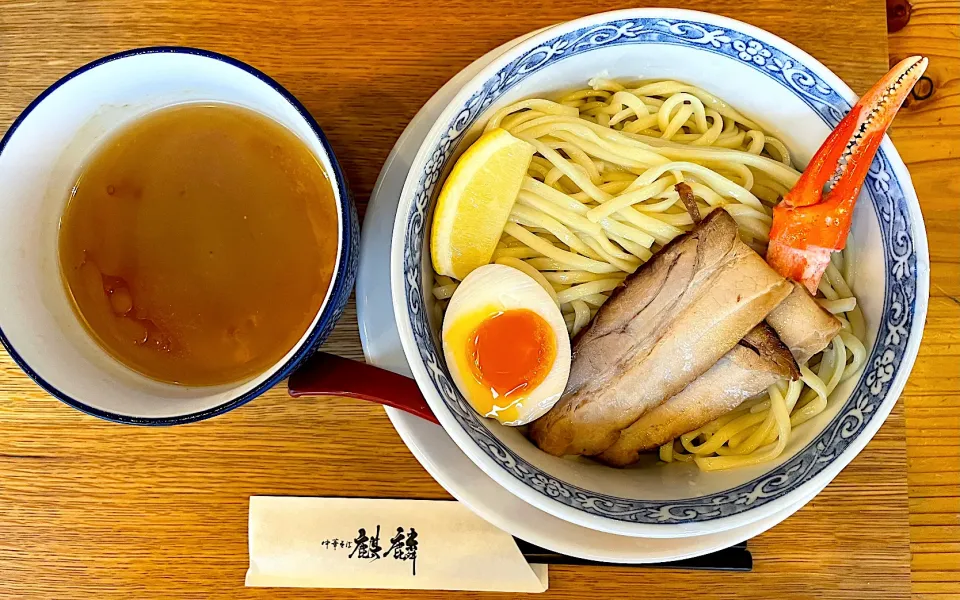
(788, 67)
(348, 233)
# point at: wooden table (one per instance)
(89, 508)
(927, 134)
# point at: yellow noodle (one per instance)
(628, 199)
(572, 277)
(582, 290)
(582, 315)
(840, 305)
(531, 217)
(544, 106)
(537, 276)
(563, 257)
(563, 215)
(443, 292)
(515, 252)
(596, 300)
(548, 264)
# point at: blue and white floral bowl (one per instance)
(792, 95)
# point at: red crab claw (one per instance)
(808, 224)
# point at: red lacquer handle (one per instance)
(328, 375)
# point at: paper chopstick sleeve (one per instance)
(386, 544)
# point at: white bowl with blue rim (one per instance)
(790, 94)
(39, 158)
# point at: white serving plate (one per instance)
(430, 444)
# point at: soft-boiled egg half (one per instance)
(506, 345)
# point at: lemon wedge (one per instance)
(475, 202)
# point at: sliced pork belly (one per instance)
(765, 342)
(803, 325)
(753, 365)
(671, 321)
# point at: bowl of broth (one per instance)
(177, 236)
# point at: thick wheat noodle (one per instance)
(579, 178)
(583, 290)
(748, 440)
(781, 148)
(622, 260)
(562, 257)
(604, 151)
(777, 189)
(444, 292)
(629, 199)
(780, 418)
(623, 104)
(635, 248)
(671, 125)
(766, 194)
(514, 252)
(596, 300)
(574, 220)
(712, 134)
(774, 169)
(745, 175)
(629, 150)
(517, 119)
(544, 106)
(572, 277)
(599, 199)
(576, 155)
(664, 202)
(531, 217)
(543, 263)
(756, 141)
(581, 316)
(669, 88)
(840, 305)
(567, 203)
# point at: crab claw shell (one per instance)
(809, 225)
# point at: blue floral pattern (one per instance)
(752, 51)
(885, 358)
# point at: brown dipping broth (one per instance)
(198, 243)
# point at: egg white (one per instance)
(486, 291)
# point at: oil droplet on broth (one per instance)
(121, 301)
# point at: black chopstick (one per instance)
(734, 558)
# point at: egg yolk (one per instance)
(511, 352)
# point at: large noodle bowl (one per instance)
(599, 199)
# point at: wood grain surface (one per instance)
(927, 133)
(93, 509)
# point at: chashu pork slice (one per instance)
(753, 365)
(670, 322)
(803, 325)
